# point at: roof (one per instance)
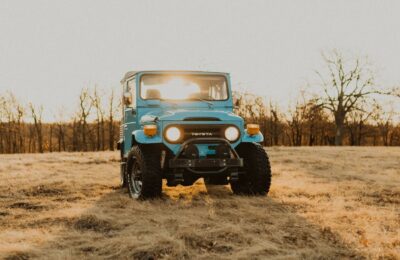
(130, 74)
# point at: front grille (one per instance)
(202, 131)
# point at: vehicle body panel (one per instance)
(171, 112)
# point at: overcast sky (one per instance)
(49, 50)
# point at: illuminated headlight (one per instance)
(173, 134)
(232, 133)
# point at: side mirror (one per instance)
(127, 98)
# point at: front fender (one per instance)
(139, 137)
(252, 138)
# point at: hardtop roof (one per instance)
(130, 74)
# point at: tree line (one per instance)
(345, 107)
(307, 123)
(93, 127)
(344, 110)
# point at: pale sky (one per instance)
(50, 49)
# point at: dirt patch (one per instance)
(93, 161)
(47, 222)
(309, 196)
(27, 206)
(44, 191)
(382, 197)
(157, 252)
(93, 223)
(203, 244)
(3, 213)
(69, 199)
(19, 256)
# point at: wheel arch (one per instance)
(138, 137)
(258, 138)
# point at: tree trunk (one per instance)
(40, 139)
(51, 139)
(98, 140)
(111, 134)
(339, 121)
(360, 134)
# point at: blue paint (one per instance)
(164, 113)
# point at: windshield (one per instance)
(183, 87)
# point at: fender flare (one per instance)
(258, 138)
(138, 136)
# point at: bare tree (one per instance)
(100, 131)
(356, 123)
(36, 114)
(112, 110)
(296, 123)
(85, 106)
(347, 85)
(316, 123)
(60, 130)
(75, 135)
(296, 120)
(11, 124)
(51, 138)
(274, 124)
(384, 121)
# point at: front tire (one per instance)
(257, 177)
(123, 175)
(144, 172)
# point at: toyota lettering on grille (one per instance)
(201, 134)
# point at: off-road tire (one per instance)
(123, 178)
(123, 175)
(257, 177)
(148, 158)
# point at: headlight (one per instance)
(173, 134)
(232, 133)
(150, 130)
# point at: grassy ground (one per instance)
(324, 202)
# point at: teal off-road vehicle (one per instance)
(180, 126)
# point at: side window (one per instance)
(132, 88)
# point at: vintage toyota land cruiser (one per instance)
(180, 126)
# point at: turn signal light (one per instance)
(253, 129)
(150, 130)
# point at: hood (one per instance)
(189, 115)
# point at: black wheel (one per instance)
(123, 175)
(257, 177)
(144, 172)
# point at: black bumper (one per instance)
(206, 163)
(203, 163)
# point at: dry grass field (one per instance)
(325, 203)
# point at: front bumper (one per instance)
(206, 165)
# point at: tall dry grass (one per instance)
(324, 202)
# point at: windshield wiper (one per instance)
(210, 104)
